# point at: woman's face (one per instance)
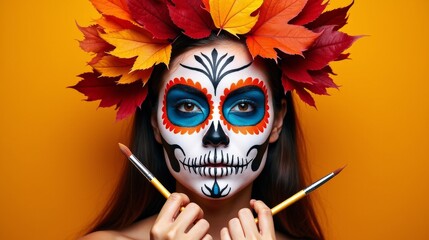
(214, 118)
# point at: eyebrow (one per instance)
(189, 89)
(244, 89)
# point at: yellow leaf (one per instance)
(142, 75)
(111, 66)
(234, 16)
(132, 43)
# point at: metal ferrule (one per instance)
(141, 167)
(315, 185)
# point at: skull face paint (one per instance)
(215, 115)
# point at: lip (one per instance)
(218, 165)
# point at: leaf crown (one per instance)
(133, 36)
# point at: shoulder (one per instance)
(139, 230)
(105, 235)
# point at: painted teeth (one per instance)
(202, 165)
(215, 171)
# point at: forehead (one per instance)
(216, 66)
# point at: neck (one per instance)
(219, 211)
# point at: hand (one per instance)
(244, 226)
(173, 224)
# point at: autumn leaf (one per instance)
(111, 66)
(113, 24)
(130, 43)
(130, 77)
(337, 17)
(116, 8)
(97, 58)
(321, 82)
(310, 12)
(312, 73)
(234, 16)
(272, 31)
(290, 85)
(92, 41)
(190, 16)
(126, 97)
(206, 4)
(153, 16)
(328, 47)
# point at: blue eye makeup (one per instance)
(244, 106)
(186, 106)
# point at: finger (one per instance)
(247, 221)
(266, 223)
(224, 234)
(235, 229)
(199, 230)
(207, 237)
(172, 206)
(188, 216)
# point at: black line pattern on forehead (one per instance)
(213, 67)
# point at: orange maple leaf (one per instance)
(130, 43)
(112, 24)
(272, 30)
(116, 8)
(234, 16)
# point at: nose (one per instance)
(215, 137)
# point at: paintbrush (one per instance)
(297, 196)
(286, 203)
(144, 171)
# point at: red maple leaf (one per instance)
(312, 72)
(92, 41)
(190, 16)
(126, 97)
(154, 17)
(337, 17)
(299, 88)
(328, 47)
(311, 11)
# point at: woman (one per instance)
(217, 129)
(259, 104)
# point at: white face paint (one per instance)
(215, 116)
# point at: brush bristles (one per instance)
(339, 170)
(125, 149)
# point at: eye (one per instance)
(188, 106)
(243, 106)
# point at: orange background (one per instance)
(59, 156)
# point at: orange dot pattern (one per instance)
(180, 129)
(255, 129)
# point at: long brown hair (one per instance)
(283, 175)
